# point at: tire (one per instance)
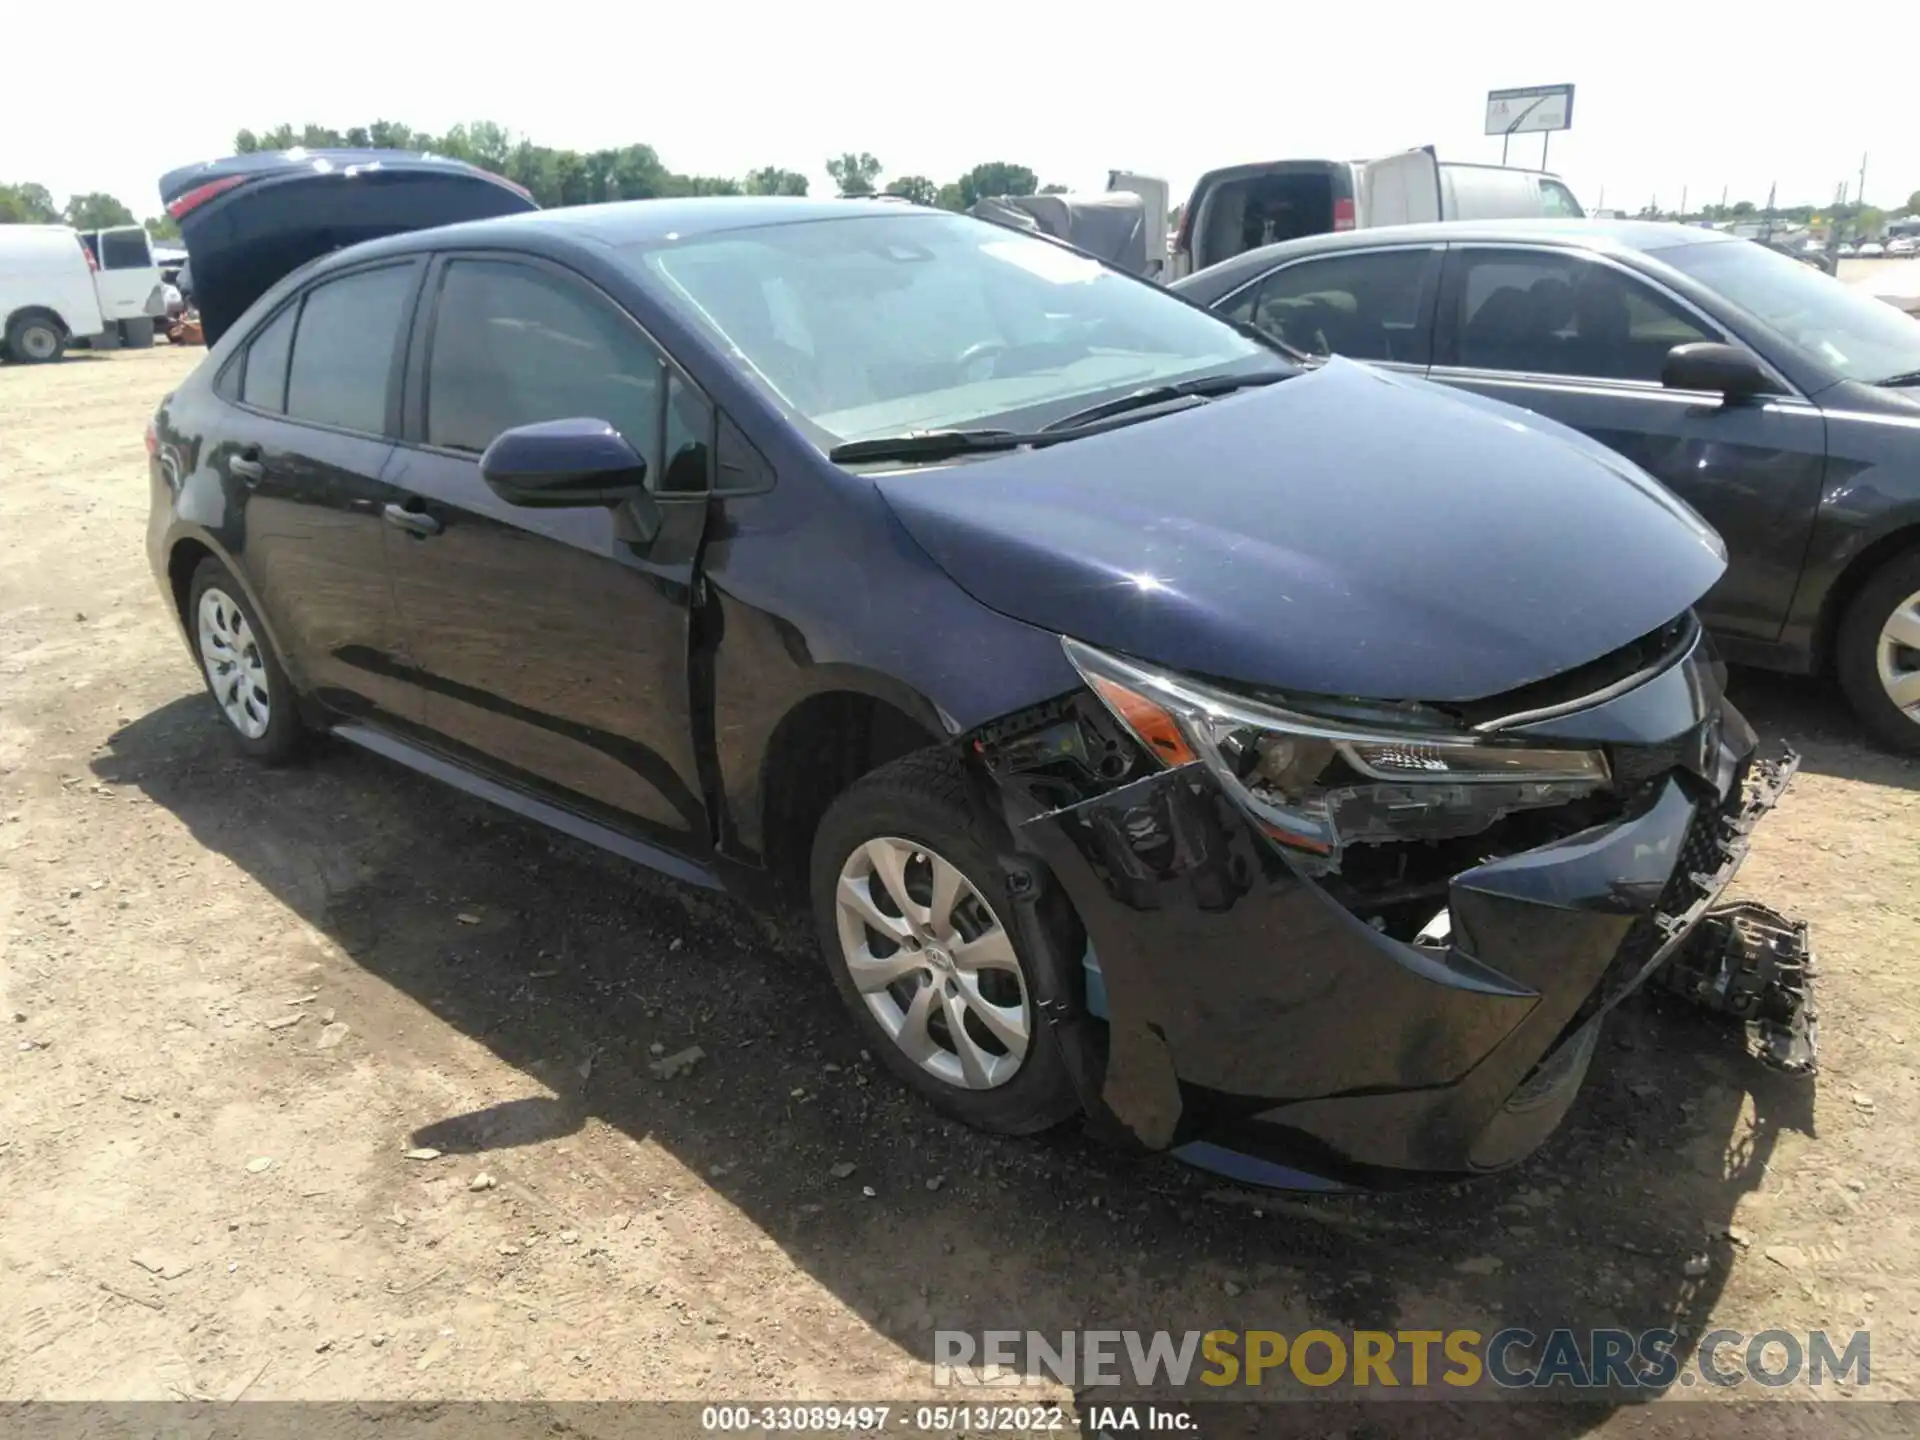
(922, 806)
(1871, 652)
(35, 339)
(137, 334)
(250, 690)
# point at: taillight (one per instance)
(1343, 214)
(1183, 240)
(153, 439)
(93, 262)
(200, 194)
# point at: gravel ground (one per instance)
(240, 998)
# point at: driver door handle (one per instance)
(416, 523)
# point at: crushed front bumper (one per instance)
(1257, 1024)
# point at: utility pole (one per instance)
(1860, 195)
(1683, 203)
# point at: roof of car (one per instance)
(1584, 234)
(628, 222)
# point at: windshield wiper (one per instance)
(1905, 377)
(927, 445)
(1206, 387)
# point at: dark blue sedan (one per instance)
(1290, 767)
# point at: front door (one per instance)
(1582, 341)
(552, 646)
(306, 448)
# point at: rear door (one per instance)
(314, 402)
(127, 279)
(552, 645)
(1375, 304)
(1582, 339)
(1400, 189)
(1155, 196)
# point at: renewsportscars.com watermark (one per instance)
(1509, 1359)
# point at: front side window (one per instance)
(343, 349)
(1557, 200)
(1855, 334)
(516, 344)
(874, 325)
(1366, 307)
(1555, 314)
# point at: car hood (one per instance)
(1349, 532)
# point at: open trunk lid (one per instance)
(248, 220)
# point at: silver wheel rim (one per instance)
(1898, 657)
(39, 342)
(933, 963)
(236, 670)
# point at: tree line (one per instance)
(554, 177)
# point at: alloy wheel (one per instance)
(236, 670)
(933, 963)
(1897, 657)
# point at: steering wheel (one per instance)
(977, 351)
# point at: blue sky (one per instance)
(1669, 95)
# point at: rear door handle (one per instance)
(246, 465)
(414, 522)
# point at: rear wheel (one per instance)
(35, 339)
(242, 673)
(137, 334)
(914, 918)
(1877, 653)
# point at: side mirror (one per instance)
(1705, 365)
(559, 464)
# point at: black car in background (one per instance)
(1783, 406)
(1292, 768)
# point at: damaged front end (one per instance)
(1348, 943)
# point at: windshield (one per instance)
(877, 325)
(1847, 329)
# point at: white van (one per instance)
(1243, 207)
(47, 294)
(127, 279)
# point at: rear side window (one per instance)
(124, 250)
(344, 347)
(1365, 306)
(263, 379)
(516, 344)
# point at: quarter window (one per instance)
(263, 380)
(344, 347)
(514, 345)
(1545, 314)
(1365, 306)
(124, 250)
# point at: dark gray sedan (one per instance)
(1784, 406)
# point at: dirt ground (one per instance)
(239, 997)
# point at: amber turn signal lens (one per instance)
(1155, 727)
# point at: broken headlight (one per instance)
(1348, 774)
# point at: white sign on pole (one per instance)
(1522, 112)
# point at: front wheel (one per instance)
(1877, 653)
(242, 673)
(913, 915)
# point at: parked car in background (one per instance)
(1845, 249)
(47, 295)
(1129, 708)
(1871, 250)
(1904, 245)
(127, 278)
(1780, 404)
(1243, 207)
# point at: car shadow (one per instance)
(586, 974)
(1811, 712)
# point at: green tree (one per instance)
(854, 174)
(997, 177)
(1913, 203)
(27, 204)
(96, 211)
(951, 196)
(163, 227)
(916, 188)
(1054, 190)
(772, 180)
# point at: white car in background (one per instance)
(1871, 250)
(127, 278)
(1905, 245)
(47, 295)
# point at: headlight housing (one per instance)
(1319, 782)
